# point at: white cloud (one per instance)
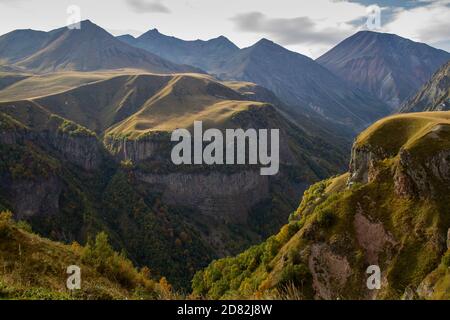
(143, 6)
(430, 24)
(310, 29)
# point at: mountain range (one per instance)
(86, 49)
(85, 144)
(302, 84)
(381, 70)
(203, 54)
(296, 79)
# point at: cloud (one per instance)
(145, 6)
(12, 3)
(428, 24)
(290, 31)
(391, 8)
(392, 3)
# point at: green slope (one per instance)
(36, 268)
(394, 216)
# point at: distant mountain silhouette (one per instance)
(302, 83)
(86, 49)
(202, 54)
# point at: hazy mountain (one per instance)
(434, 95)
(297, 80)
(390, 67)
(202, 54)
(300, 82)
(89, 48)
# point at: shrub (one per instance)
(325, 218)
(297, 275)
(25, 226)
(108, 262)
(446, 259)
(5, 223)
(271, 249)
(294, 256)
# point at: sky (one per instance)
(310, 27)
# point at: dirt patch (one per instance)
(371, 237)
(329, 271)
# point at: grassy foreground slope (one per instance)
(35, 268)
(390, 210)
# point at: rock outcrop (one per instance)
(329, 271)
(363, 163)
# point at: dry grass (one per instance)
(32, 267)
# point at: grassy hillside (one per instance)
(8, 79)
(41, 85)
(182, 101)
(405, 131)
(35, 268)
(389, 210)
(153, 102)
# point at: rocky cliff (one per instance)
(228, 197)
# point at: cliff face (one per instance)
(422, 179)
(83, 151)
(362, 164)
(136, 151)
(63, 180)
(222, 196)
(35, 198)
